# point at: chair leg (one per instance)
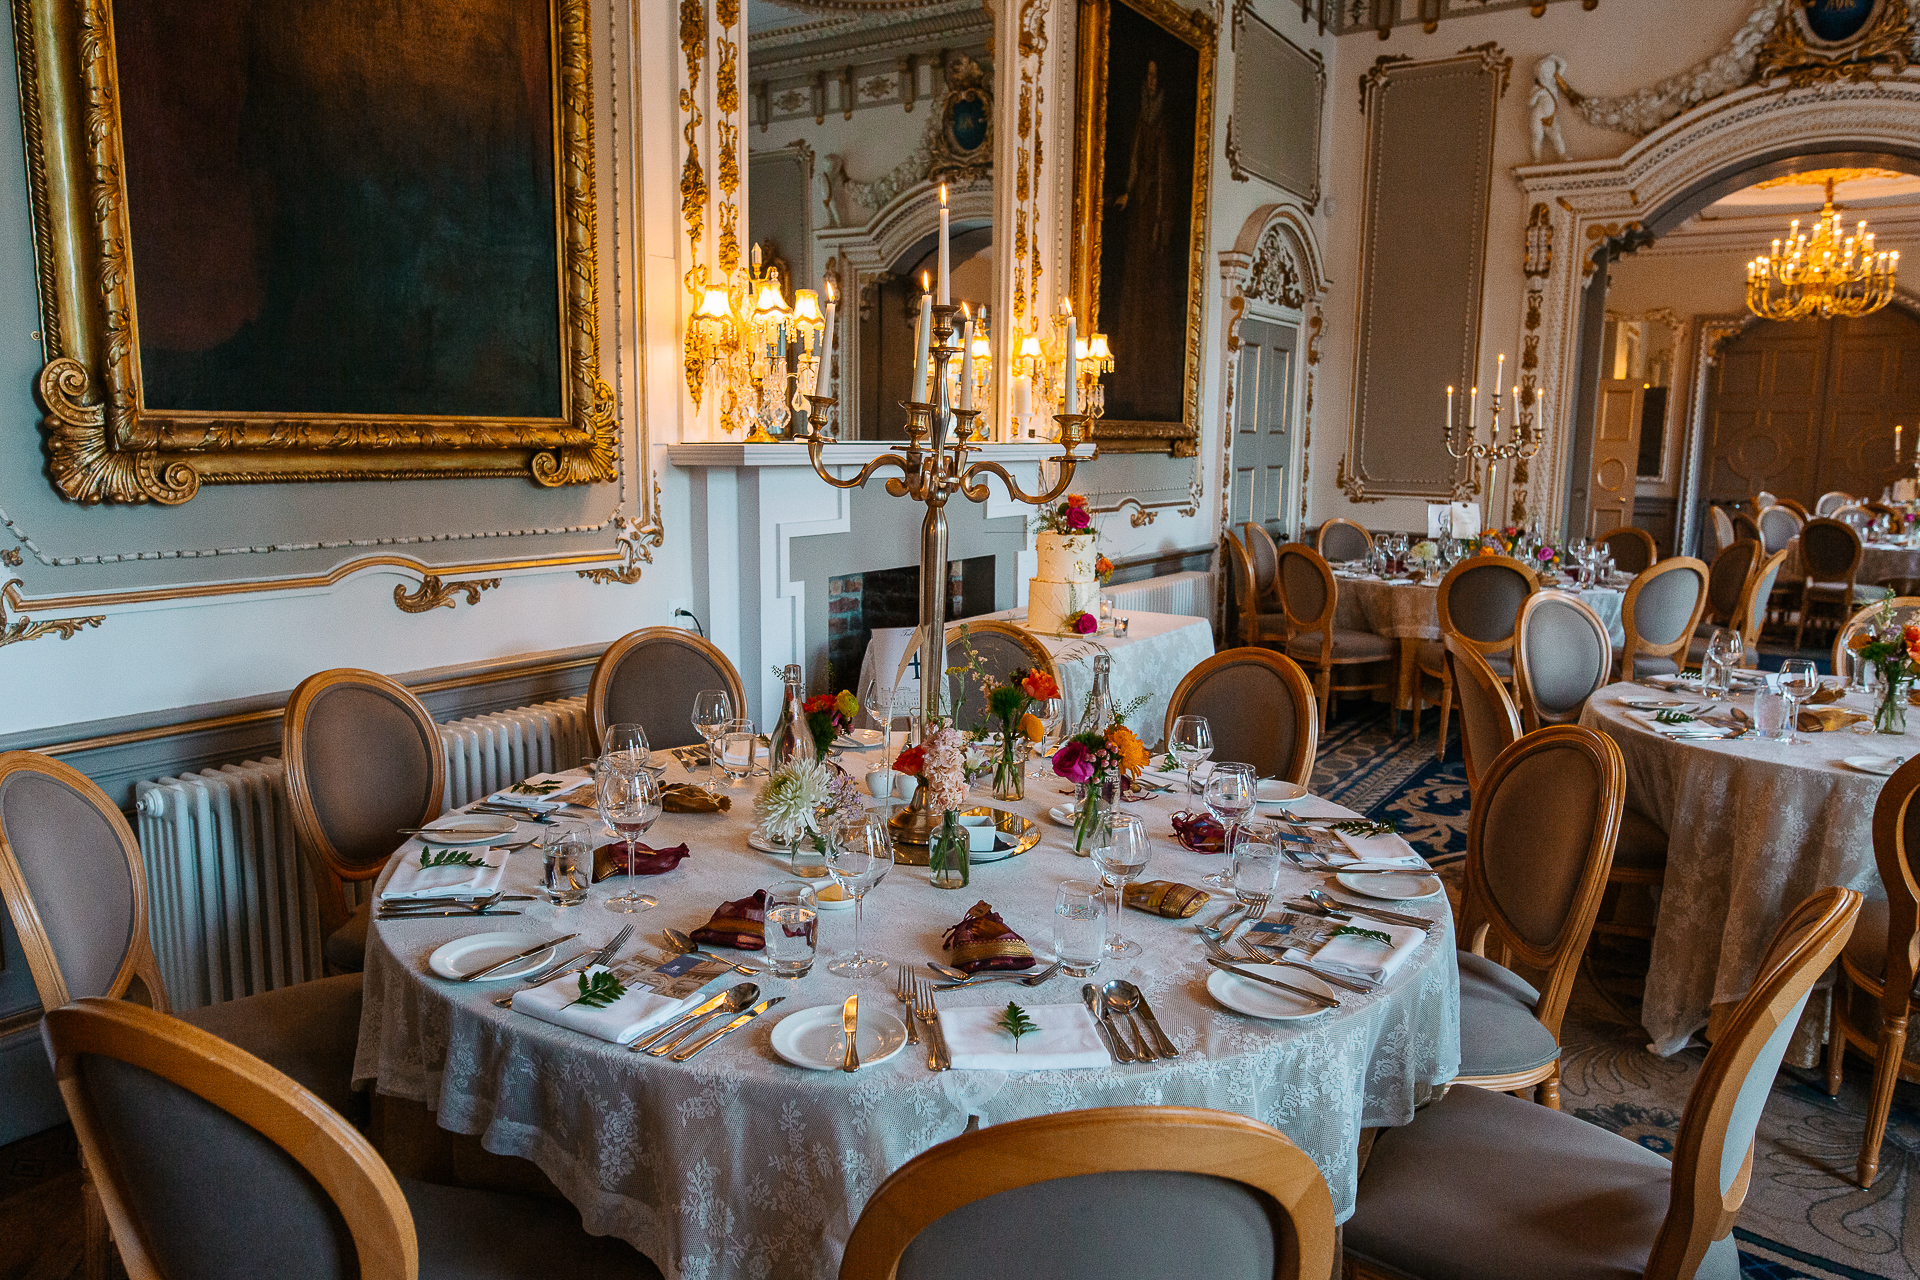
(1800, 623)
(1324, 678)
(1446, 707)
(1550, 1091)
(96, 1245)
(1836, 1038)
(1886, 1072)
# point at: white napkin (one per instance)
(547, 803)
(1689, 729)
(1176, 779)
(634, 1014)
(411, 880)
(1365, 957)
(1066, 1039)
(1389, 849)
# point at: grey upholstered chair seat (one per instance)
(484, 1235)
(1863, 592)
(308, 1031)
(1361, 646)
(1487, 1186)
(1643, 843)
(346, 947)
(1432, 654)
(1499, 1032)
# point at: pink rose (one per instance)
(1073, 762)
(1077, 518)
(1086, 624)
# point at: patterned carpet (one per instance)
(1803, 1215)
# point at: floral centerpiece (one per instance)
(1069, 517)
(1424, 552)
(829, 715)
(1009, 704)
(802, 800)
(1894, 651)
(1098, 761)
(944, 766)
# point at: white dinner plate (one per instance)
(478, 950)
(1275, 794)
(812, 1038)
(1064, 814)
(857, 740)
(1262, 1001)
(468, 828)
(1880, 766)
(757, 841)
(1407, 888)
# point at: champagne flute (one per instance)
(1230, 796)
(629, 803)
(1192, 742)
(859, 855)
(712, 708)
(626, 743)
(876, 700)
(1120, 849)
(1799, 680)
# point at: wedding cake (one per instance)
(1068, 581)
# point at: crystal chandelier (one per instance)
(1827, 274)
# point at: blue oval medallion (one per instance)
(1837, 20)
(969, 123)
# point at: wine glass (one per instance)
(736, 742)
(626, 742)
(1724, 653)
(1799, 680)
(712, 708)
(859, 855)
(629, 803)
(1049, 711)
(1192, 743)
(1120, 850)
(1229, 796)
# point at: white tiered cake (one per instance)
(1066, 584)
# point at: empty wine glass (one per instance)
(1799, 680)
(859, 855)
(1049, 712)
(712, 708)
(626, 743)
(629, 800)
(1230, 797)
(1725, 651)
(1192, 743)
(1120, 850)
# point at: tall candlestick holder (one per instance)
(932, 469)
(1523, 442)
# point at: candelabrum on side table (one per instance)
(1521, 445)
(933, 468)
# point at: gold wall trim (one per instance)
(23, 628)
(432, 593)
(105, 445)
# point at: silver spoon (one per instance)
(680, 944)
(1115, 994)
(1128, 998)
(659, 1043)
(1213, 931)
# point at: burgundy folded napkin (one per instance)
(1199, 833)
(612, 860)
(982, 941)
(740, 924)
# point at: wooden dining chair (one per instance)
(1087, 1195)
(1659, 615)
(1779, 526)
(211, 1164)
(1479, 600)
(1751, 617)
(1723, 534)
(649, 678)
(1540, 839)
(1341, 539)
(1865, 617)
(1561, 654)
(1881, 510)
(1259, 707)
(1727, 579)
(1632, 549)
(1489, 722)
(1857, 516)
(1256, 624)
(364, 761)
(1487, 1186)
(1002, 647)
(1265, 553)
(1794, 505)
(1831, 501)
(1309, 596)
(1830, 552)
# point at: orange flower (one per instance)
(1040, 686)
(1076, 499)
(1132, 752)
(1911, 633)
(1031, 729)
(1858, 641)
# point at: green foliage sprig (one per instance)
(1351, 931)
(1670, 716)
(451, 858)
(599, 991)
(1361, 827)
(1016, 1023)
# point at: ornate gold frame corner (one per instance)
(105, 445)
(1197, 28)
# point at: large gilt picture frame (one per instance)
(1142, 156)
(340, 240)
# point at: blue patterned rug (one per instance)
(1803, 1216)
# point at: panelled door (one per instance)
(1263, 423)
(1616, 456)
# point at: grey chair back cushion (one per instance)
(1252, 715)
(1539, 823)
(1778, 526)
(1722, 528)
(1752, 1098)
(369, 770)
(1101, 1226)
(1629, 553)
(1484, 602)
(1663, 607)
(653, 686)
(1344, 542)
(1302, 587)
(76, 873)
(1828, 551)
(1260, 551)
(214, 1199)
(1566, 661)
(1728, 576)
(1000, 655)
(1484, 727)
(1757, 606)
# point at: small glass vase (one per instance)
(1009, 777)
(1890, 716)
(1096, 797)
(948, 858)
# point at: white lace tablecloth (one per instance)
(736, 1164)
(1411, 610)
(1753, 827)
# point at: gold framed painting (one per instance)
(335, 240)
(1142, 157)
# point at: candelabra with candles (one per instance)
(1525, 432)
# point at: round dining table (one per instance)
(1753, 826)
(735, 1163)
(1880, 561)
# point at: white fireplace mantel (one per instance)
(748, 502)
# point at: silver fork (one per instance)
(903, 992)
(601, 956)
(1262, 955)
(938, 1059)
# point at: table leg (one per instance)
(1404, 676)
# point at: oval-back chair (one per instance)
(1259, 707)
(1856, 516)
(1796, 506)
(649, 678)
(1751, 618)
(1255, 622)
(1265, 554)
(1830, 552)
(1659, 616)
(1001, 648)
(1745, 526)
(1779, 526)
(1489, 722)
(1831, 501)
(1560, 657)
(1633, 549)
(1723, 534)
(1727, 579)
(1861, 618)
(1341, 539)
(1308, 598)
(1479, 600)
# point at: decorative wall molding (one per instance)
(637, 543)
(693, 174)
(22, 629)
(432, 593)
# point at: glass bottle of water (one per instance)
(1099, 712)
(791, 740)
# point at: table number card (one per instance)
(679, 977)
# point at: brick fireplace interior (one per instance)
(859, 602)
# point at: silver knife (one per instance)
(1167, 1047)
(1088, 994)
(697, 1014)
(1325, 1002)
(850, 1023)
(436, 915)
(681, 1055)
(530, 951)
(1121, 1049)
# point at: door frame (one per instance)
(1288, 324)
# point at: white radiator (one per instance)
(232, 907)
(1189, 594)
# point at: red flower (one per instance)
(1085, 623)
(817, 703)
(913, 760)
(1040, 686)
(1073, 762)
(1077, 518)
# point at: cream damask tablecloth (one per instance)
(1753, 827)
(1411, 611)
(1881, 560)
(736, 1164)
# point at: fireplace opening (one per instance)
(859, 602)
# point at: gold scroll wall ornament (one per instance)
(105, 444)
(693, 177)
(727, 102)
(1792, 50)
(636, 542)
(432, 593)
(1536, 263)
(21, 629)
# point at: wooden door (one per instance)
(1764, 412)
(1263, 423)
(1616, 455)
(1876, 374)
